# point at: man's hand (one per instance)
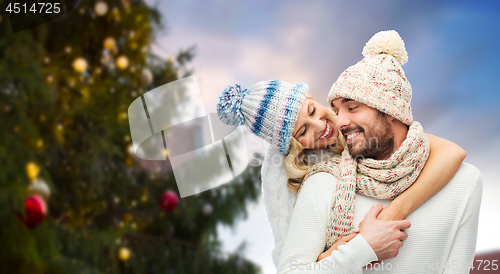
(385, 237)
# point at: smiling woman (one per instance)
(269, 109)
(315, 129)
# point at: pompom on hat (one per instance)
(378, 80)
(269, 109)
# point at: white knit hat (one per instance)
(378, 80)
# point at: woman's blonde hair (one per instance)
(297, 165)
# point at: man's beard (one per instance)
(380, 142)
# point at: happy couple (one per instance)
(418, 207)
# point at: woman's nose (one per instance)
(319, 125)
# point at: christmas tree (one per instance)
(73, 198)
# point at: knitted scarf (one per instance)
(380, 179)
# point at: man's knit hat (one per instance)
(269, 109)
(378, 80)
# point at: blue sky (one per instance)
(453, 67)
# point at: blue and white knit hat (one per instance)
(269, 109)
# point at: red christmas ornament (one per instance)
(169, 200)
(35, 209)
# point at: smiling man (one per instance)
(341, 198)
(372, 103)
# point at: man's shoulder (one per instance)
(468, 172)
(467, 178)
(469, 169)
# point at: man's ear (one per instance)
(389, 117)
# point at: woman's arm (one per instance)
(445, 159)
(342, 241)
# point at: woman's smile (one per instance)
(327, 133)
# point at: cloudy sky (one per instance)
(453, 69)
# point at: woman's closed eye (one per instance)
(304, 132)
(312, 112)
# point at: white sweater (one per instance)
(441, 239)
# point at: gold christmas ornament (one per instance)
(32, 170)
(122, 116)
(124, 254)
(101, 8)
(110, 43)
(80, 64)
(122, 62)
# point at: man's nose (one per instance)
(343, 120)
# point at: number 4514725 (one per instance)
(40, 7)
